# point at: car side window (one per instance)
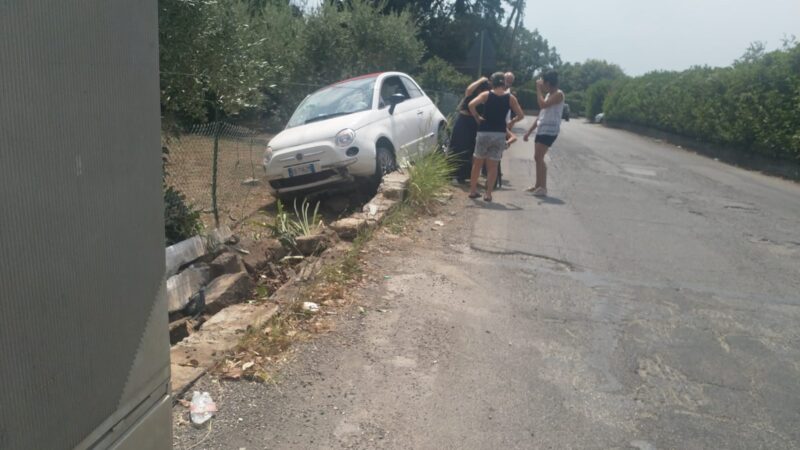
(412, 88)
(391, 86)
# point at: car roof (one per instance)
(360, 77)
(371, 75)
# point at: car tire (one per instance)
(384, 163)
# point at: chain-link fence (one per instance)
(218, 167)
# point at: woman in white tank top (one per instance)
(547, 126)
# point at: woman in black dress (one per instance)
(462, 140)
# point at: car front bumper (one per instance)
(330, 165)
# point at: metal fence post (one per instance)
(214, 169)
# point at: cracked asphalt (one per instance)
(652, 302)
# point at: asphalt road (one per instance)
(652, 302)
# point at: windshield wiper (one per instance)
(327, 116)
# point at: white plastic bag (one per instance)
(202, 407)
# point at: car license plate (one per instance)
(304, 169)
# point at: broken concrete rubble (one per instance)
(226, 263)
(394, 185)
(182, 286)
(227, 290)
(192, 356)
(349, 227)
(262, 252)
(185, 252)
(316, 243)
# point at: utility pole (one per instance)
(480, 57)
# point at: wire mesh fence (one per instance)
(218, 167)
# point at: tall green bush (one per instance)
(752, 105)
(355, 38)
(437, 74)
(595, 96)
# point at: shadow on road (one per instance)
(495, 206)
(551, 201)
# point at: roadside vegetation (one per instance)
(753, 105)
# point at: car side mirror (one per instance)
(394, 100)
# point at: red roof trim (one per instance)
(360, 77)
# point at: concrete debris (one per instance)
(394, 186)
(184, 285)
(262, 252)
(310, 245)
(226, 263)
(182, 253)
(227, 290)
(310, 307)
(349, 227)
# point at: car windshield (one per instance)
(336, 100)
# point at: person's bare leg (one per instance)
(491, 177)
(477, 163)
(541, 166)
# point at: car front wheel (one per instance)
(384, 163)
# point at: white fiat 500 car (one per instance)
(356, 129)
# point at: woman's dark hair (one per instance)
(498, 79)
(485, 86)
(551, 77)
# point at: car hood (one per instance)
(321, 130)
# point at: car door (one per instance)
(403, 123)
(422, 129)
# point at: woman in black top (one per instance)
(462, 140)
(490, 141)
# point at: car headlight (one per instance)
(345, 137)
(267, 155)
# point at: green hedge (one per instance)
(527, 99)
(595, 97)
(752, 105)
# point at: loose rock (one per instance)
(227, 290)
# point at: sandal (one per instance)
(474, 195)
(487, 198)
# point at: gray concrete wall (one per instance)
(82, 311)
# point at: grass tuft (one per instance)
(429, 176)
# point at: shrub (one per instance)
(428, 176)
(181, 221)
(437, 74)
(752, 105)
(527, 99)
(595, 97)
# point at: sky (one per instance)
(645, 35)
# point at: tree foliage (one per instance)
(577, 78)
(208, 59)
(595, 97)
(755, 104)
(438, 74)
(342, 42)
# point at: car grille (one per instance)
(300, 180)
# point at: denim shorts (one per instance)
(490, 145)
